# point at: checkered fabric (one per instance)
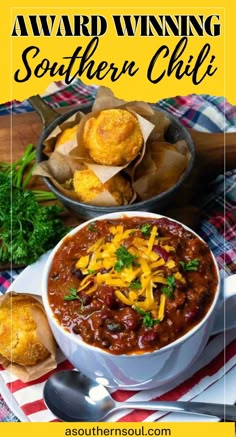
(218, 208)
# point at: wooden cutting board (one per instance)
(215, 153)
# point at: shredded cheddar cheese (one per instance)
(179, 277)
(151, 239)
(162, 307)
(126, 300)
(159, 279)
(158, 263)
(130, 264)
(168, 248)
(171, 264)
(83, 262)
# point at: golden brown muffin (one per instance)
(66, 135)
(114, 137)
(19, 342)
(87, 186)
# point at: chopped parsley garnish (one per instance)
(91, 272)
(82, 301)
(124, 259)
(72, 294)
(168, 289)
(92, 227)
(191, 265)
(146, 229)
(148, 320)
(136, 284)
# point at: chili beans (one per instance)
(131, 285)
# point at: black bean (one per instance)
(55, 276)
(114, 327)
(76, 329)
(106, 343)
(77, 273)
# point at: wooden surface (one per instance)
(214, 153)
(21, 129)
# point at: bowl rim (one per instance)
(78, 340)
(98, 209)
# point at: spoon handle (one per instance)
(226, 412)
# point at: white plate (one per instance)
(29, 281)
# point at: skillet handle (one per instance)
(214, 151)
(46, 113)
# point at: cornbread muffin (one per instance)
(19, 342)
(87, 186)
(113, 138)
(66, 135)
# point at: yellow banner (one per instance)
(117, 429)
(142, 50)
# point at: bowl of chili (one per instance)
(131, 298)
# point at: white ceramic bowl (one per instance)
(137, 371)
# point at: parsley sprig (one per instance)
(91, 272)
(27, 229)
(192, 265)
(168, 289)
(135, 285)
(125, 259)
(72, 295)
(148, 320)
(92, 227)
(146, 229)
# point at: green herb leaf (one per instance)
(27, 229)
(136, 284)
(72, 294)
(132, 233)
(171, 281)
(124, 259)
(192, 265)
(148, 320)
(146, 229)
(82, 301)
(92, 227)
(168, 289)
(91, 272)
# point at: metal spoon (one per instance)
(73, 397)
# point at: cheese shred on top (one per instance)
(130, 263)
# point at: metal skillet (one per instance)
(51, 119)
